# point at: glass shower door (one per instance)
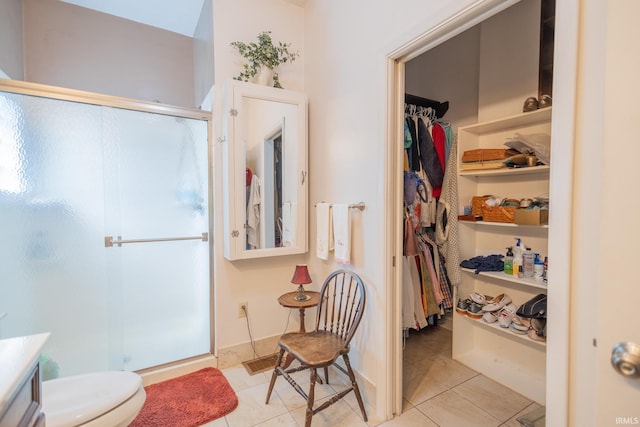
(156, 198)
(73, 173)
(52, 225)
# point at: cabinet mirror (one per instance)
(265, 155)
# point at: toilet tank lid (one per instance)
(78, 399)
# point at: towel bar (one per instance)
(359, 206)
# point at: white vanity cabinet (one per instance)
(264, 139)
(510, 359)
(20, 381)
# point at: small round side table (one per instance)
(288, 300)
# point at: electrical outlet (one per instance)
(241, 312)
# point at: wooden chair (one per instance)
(340, 309)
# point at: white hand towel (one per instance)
(324, 230)
(289, 223)
(342, 233)
(253, 214)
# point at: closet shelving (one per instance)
(496, 328)
(510, 359)
(506, 171)
(501, 276)
(502, 224)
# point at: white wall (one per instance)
(78, 48)
(203, 55)
(345, 78)
(449, 72)
(509, 47)
(259, 282)
(11, 59)
(242, 20)
(486, 72)
(346, 83)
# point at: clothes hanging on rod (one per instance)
(443, 286)
(425, 162)
(427, 140)
(446, 233)
(440, 108)
(426, 287)
(429, 144)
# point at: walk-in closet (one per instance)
(487, 89)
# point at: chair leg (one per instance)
(312, 386)
(274, 375)
(354, 385)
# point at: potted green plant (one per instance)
(264, 53)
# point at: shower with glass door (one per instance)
(105, 237)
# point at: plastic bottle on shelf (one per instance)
(538, 268)
(528, 259)
(545, 275)
(508, 261)
(517, 256)
(520, 272)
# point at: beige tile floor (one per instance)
(438, 391)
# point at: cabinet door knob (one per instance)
(625, 358)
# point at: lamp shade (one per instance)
(301, 275)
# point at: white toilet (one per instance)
(105, 399)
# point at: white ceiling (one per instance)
(179, 16)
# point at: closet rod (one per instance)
(359, 206)
(441, 108)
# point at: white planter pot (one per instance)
(264, 76)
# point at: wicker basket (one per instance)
(499, 213)
(477, 203)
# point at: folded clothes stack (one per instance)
(484, 263)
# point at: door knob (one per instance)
(625, 358)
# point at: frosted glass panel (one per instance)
(52, 216)
(72, 173)
(157, 188)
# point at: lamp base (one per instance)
(301, 295)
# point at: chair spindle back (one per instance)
(341, 305)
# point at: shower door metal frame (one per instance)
(73, 95)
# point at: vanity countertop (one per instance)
(17, 357)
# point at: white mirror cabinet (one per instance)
(265, 171)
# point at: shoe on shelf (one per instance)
(462, 306)
(513, 328)
(520, 323)
(540, 326)
(533, 334)
(478, 298)
(530, 104)
(505, 315)
(474, 310)
(497, 303)
(490, 316)
(544, 101)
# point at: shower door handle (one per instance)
(109, 242)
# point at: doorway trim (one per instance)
(564, 113)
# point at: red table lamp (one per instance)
(301, 277)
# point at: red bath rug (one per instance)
(187, 401)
